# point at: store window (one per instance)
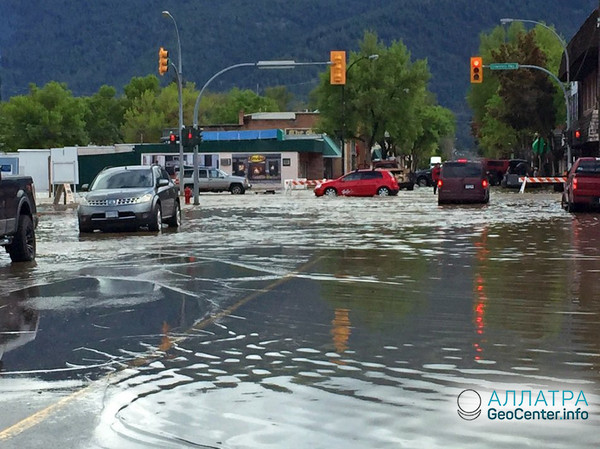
(258, 167)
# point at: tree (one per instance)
(144, 120)
(104, 117)
(45, 118)
(281, 96)
(510, 107)
(383, 100)
(224, 108)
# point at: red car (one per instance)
(582, 187)
(463, 181)
(360, 183)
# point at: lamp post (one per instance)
(285, 64)
(561, 40)
(372, 57)
(180, 95)
(566, 52)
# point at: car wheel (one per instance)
(330, 191)
(422, 182)
(22, 248)
(175, 220)
(156, 222)
(571, 207)
(236, 189)
(383, 191)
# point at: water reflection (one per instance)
(401, 306)
(368, 349)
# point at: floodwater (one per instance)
(289, 321)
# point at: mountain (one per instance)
(88, 44)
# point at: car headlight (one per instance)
(83, 200)
(144, 198)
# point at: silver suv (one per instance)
(215, 180)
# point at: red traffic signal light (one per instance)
(163, 61)
(172, 138)
(476, 70)
(338, 67)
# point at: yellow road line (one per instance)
(41, 415)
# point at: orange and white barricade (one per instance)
(540, 180)
(300, 183)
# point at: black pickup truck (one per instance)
(18, 217)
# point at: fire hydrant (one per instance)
(187, 194)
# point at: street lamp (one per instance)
(372, 57)
(565, 50)
(284, 64)
(180, 92)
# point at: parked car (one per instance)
(463, 181)
(360, 183)
(129, 198)
(404, 177)
(423, 178)
(496, 168)
(517, 168)
(215, 180)
(18, 217)
(582, 187)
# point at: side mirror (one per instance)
(84, 187)
(163, 182)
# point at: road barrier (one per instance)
(540, 180)
(300, 183)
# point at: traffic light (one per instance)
(187, 136)
(576, 139)
(338, 67)
(172, 138)
(476, 70)
(163, 61)
(197, 139)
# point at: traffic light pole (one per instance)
(167, 14)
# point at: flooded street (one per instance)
(289, 321)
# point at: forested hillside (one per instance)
(88, 44)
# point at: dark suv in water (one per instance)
(463, 181)
(129, 197)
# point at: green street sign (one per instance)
(504, 66)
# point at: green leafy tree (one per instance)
(224, 108)
(138, 85)
(283, 97)
(144, 120)
(45, 118)
(104, 117)
(510, 107)
(384, 100)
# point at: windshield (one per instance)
(122, 179)
(591, 167)
(462, 170)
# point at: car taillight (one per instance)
(574, 183)
(439, 183)
(484, 183)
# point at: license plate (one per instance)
(469, 186)
(112, 214)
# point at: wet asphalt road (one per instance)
(294, 321)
